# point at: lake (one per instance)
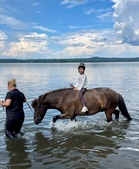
(89, 143)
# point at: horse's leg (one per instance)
(55, 118)
(73, 118)
(116, 112)
(63, 116)
(109, 114)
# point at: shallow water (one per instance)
(89, 143)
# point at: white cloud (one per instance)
(105, 15)
(35, 4)
(42, 28)
(6, 16)
(3, 38)
(126, 25)
(11, 22)
(80, 27)
(83, 44)
(73, 3)
(89, 11)
(78, 44)
(96, 11)
(118, 50)
(29, 44)
(92, 43)
(76, 51)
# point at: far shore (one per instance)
(92, 59)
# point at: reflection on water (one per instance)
(18, 156)
(83, 147)
(89, 143)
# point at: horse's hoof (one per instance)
(53, 126)
(117, 119)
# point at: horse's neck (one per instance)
(56, 99)
(53, 100)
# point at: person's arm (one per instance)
(25, 99)
(5, 103)
(75, 87)
(72, 85)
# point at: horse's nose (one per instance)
(37, 121)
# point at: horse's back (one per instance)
(102, 93)
(98, 90)
(105, 90)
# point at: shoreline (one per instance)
(76, 60)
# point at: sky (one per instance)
(45, 29)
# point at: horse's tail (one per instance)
(123, 108)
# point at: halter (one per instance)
(39, 116)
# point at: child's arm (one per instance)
(72, 85)
(74, 88)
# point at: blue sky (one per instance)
(42, 29)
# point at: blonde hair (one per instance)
(12, 83)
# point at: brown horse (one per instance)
(68, 103)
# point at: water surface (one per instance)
(89, 143)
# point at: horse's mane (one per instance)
(35, 101)
(57, 90)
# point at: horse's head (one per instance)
(39, 111)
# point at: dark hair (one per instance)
(81, 65)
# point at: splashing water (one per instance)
(79, 126)
(69, 126)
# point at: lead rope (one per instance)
(29, 106)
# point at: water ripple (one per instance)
(90, 142)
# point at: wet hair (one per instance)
(12, 83)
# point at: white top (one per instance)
(82, 82)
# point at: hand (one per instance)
(1, 103)
(75, 88)
(72, 85)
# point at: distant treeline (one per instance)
(92, 59)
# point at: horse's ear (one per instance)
(34, 103)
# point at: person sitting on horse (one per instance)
(81, 85)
